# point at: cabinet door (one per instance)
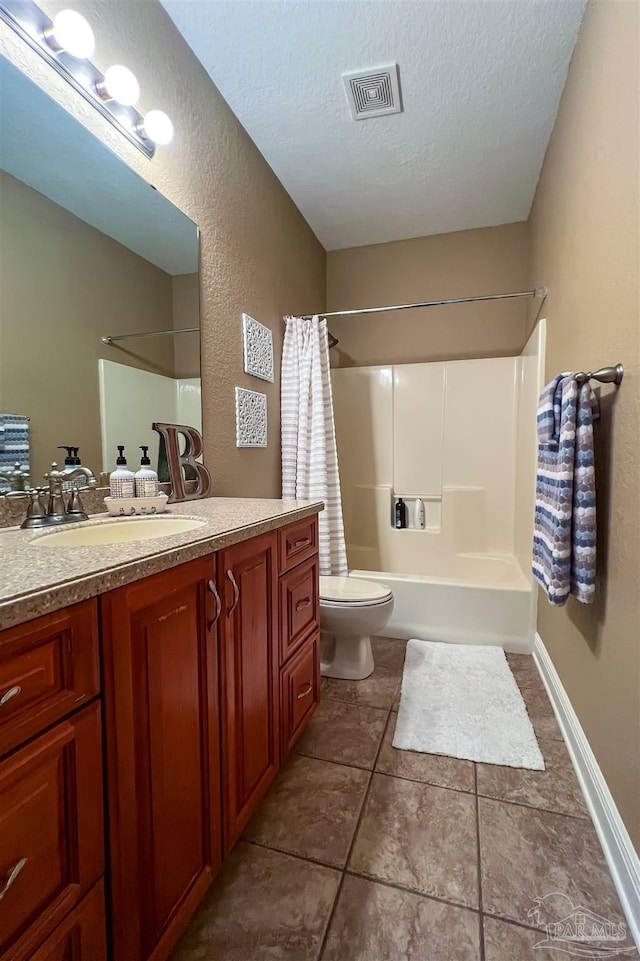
(299, 691)
(48, 668)
(247, 578)
(51, 830)
(160, 693)
(81, 936)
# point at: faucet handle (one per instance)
(54, 473)
(36, 513)
(36, 507)
(75, 507)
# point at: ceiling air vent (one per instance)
(373, 93)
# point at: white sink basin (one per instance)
(117, 532)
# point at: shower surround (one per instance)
(460, 435)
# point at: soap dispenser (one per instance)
(146, 478)
(122, 481)
(69, 465)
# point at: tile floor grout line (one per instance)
(293, 854)
(516, 924)
(533, 807)
(541, 931)
(330, 760)
(447, 787)
(360, 703)
(478, 862)
(415, 780)
(407, 890)
(353, 841)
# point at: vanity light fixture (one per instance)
(66, 43)
(71, 32)
(119, 84)
(158, 127)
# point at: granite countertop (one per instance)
(35, 580)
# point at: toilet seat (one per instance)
(352, 592)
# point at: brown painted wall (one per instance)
(584, 248)
(63, 286)
(185, 292)
(257, 252)
(461, 264)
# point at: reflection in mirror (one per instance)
(88, 249)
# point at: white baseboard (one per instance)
(619, 852)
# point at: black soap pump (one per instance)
(69, 465)
(69, 461)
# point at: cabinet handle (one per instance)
(236, 593)
(8, 695)
(305, 602)
(214, 590)
(305, 693)
(13, 874)
(303, 542)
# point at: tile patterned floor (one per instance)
(361, 852)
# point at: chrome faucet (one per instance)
(57, 511)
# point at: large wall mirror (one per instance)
(88, 249)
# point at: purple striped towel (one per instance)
(564, 536)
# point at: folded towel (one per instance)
(564, 538)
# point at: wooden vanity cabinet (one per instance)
(183, 692)
(248, 584)
(160, 669)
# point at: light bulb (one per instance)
(158, 127)
(121, 85)
(72, 33)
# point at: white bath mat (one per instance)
(463, 701)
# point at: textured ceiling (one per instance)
(481, 82)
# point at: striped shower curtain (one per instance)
(309, 456)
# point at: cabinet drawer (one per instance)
(82, 934)
(51, 830)
(48, 667)
(297, 542)
(298, 606)
(299, 691)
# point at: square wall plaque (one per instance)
(258, 348)
(251, 418)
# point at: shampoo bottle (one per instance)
(146, 478)
(418, 514)
(122, 481)
(401, 514)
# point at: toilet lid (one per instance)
(352, 590)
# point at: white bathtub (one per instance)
(485, 600)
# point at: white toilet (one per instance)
(351, 609)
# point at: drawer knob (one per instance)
(11, 693)
(13, 874)
(306, 692)
(303, 542)
(305, 602)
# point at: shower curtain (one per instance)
(309, 455)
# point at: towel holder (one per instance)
(606, 375)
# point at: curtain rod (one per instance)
(540, 292)
(151, 333)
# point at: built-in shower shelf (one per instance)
(432, 512)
